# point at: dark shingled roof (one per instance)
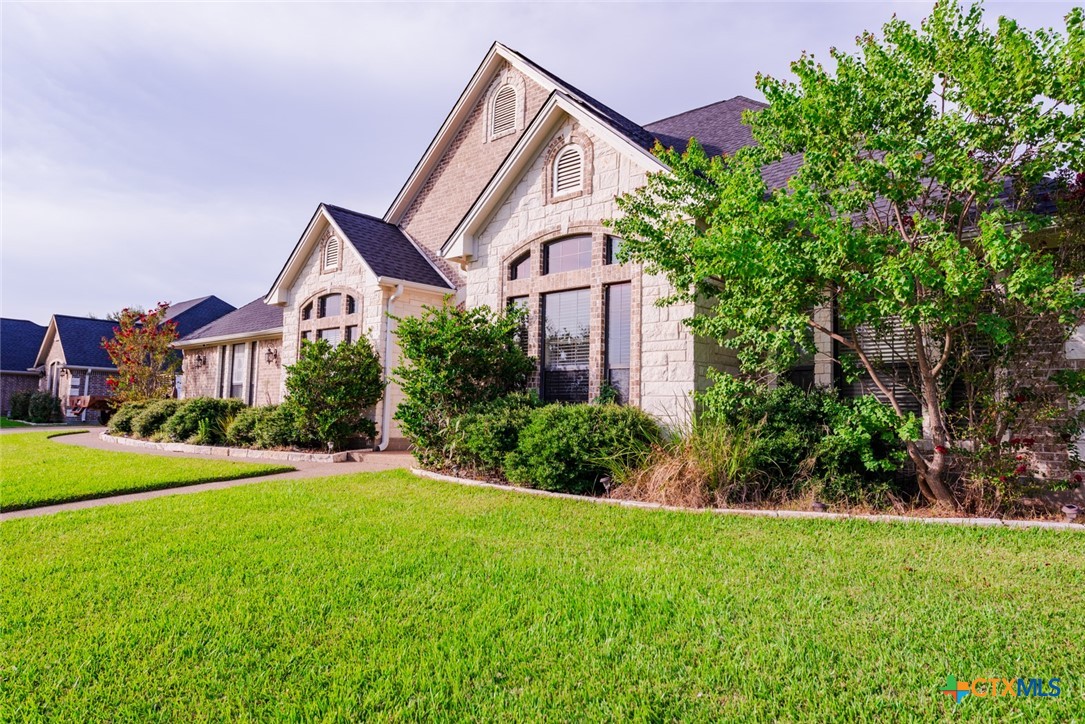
(192, 314)
(387, 251)
(20, 341)
(81, 339)
(719, 128)
(252, 318)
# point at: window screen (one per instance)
(565, 355)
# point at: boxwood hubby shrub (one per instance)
(121, 421)
(452, 361)
(333, 388)
(206, 418)
(150, 419)
(481, 439)
(44, 407)
(569, 448)
(20, 405)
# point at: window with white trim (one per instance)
(569, 170)
(503, 112)
(331, 254)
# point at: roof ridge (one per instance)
(707, 105)
(357, 213)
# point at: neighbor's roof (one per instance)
(192, 314)
(81, 339)
(20, 341)
(252, 318)
(385, 248)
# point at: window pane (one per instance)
(305, 336)
(331, 305)
(614, 245)
(521, 333)
(307, 312)
(350, 305)
(238, 363)
(332, 335)
(617, 338)
(565, 364)
(521, 268)
(351, 334)
(568, 254)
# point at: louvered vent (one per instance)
(331, 253)
(504, 111)
(568, 170)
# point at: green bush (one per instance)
(453, 361)
(44, 407)
(569, 448)
(280, 427)
(202, 420)
(811, 440)
(121, 422)
(333, 388)
(150, 420)
(480, 439)
(20, 405)
(241, 432)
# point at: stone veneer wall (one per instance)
(664, 355)
(466, 167)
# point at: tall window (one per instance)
(568, 170)
(503, 112)
(573, 252)
(521, 333)
(618, 338)
(238, 363)
(566, 323)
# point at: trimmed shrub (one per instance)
(453, 361)
(202, 420)
(121, 422)
(481, 439)
(569, 448)
(151, 419)
(43, 407)
(20, 405)
(241, 432)
(280, 427)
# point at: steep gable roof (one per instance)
(192, 314)
(20, 341)
(251, 319)
(385, 248)
(476, 87)
(81, 338)
(382, 247)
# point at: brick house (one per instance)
(70, 361)
(20, 341)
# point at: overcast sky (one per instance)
(167, 151)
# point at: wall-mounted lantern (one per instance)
(272, 355)
(199, 362)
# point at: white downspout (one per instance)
(386, 409)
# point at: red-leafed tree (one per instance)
(142, 351)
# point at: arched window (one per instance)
(503, 112)
(334, 315)
(568, 170)
(331, 254)
(520, 267)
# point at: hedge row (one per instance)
(210, 421)
(36, 407)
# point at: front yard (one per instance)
(35, 470)
(387, 596)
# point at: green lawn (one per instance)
(35, 470)
(5, 422)
(391, 597)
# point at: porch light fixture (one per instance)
(272, 355)
(200, 361)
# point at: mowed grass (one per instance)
(35, 470)
(385, 596)
(7, 422)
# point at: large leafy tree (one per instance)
(909, 209)
(142, 351)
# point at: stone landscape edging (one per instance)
(233, 452)
(979, 522)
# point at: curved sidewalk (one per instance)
(372, 462)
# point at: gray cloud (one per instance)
(165, 151)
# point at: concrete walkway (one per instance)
(372, 462)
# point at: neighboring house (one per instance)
(20, 341)
(71, 362)
(237, 355)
